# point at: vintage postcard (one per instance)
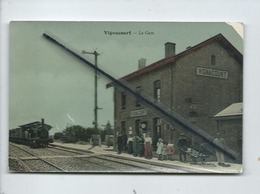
(125, 97)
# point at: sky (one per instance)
(46, 82)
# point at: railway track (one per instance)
(63, 160)
(31, 162)
(112, 163)
(140, 165)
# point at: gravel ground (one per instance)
(46, 151)
(40, 166)
(16, 166)
(18, 152)
(115, 167)
(91, 165)
(76, 165)
(149, 167)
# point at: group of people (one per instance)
(136, 145)
(142, 147)
(164, 150)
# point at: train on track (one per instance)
(35, 134)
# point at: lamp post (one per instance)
(95, 86)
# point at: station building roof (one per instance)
(233, 110)
(169, 60)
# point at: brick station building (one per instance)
(196, 83)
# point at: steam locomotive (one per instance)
(35, 134)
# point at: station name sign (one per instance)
(212, 73)
(138, 113)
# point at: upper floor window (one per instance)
(138, 89)
(123, 100)
(157, 90)
(213, 60)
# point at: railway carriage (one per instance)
(35, 134)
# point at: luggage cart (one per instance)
(197, 155)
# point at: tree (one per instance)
(108, 129)
(75, 131)
(57, 135)
(91, 131)
(81, 133)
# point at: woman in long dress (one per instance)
(148, 147)
(136, 145)
(130, 144)
(159, 148)
(170, 150)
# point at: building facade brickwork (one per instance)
(230, 125)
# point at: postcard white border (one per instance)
(244, 11)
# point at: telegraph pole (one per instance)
(95, 53)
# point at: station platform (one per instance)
(208, 167)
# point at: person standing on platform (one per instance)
(164, 152)
(136, 144)
(141, 147)
(148, 147)
(107, 141)
(170, 150)
(130, 143)
(124, 141)
(159, 148)
(219, 141)
(182, 145)
(119, 143)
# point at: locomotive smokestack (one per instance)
(42, 122)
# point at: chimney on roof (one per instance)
(169, 49)
(141, 63)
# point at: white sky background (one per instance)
(46, 82)
(246, 11)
